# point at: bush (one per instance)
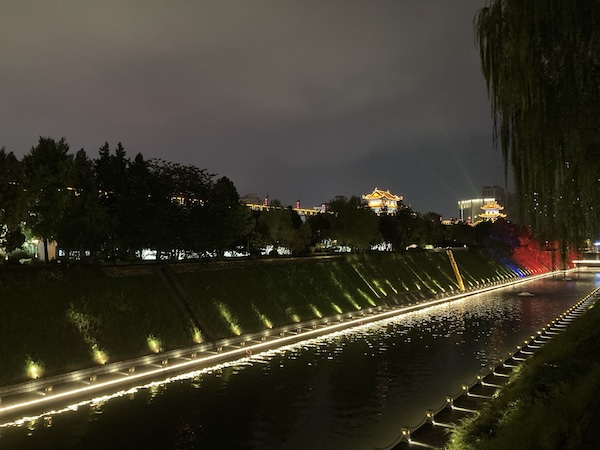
(16, 256)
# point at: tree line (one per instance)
(116, 208)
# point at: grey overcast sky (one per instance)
(295, 99)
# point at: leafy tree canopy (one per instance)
(541, 62)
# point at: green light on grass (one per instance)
(366, 297)
(337, 308)
(429, 287)
(315, 311)
(197, 335)
(293, 315)
(34, 369)
(100, 356)
(439, 286)
(351, 300)
(88, 325)
(153, 344)
(391, 286)
(378, 286)
(264, 319)
(226, 314)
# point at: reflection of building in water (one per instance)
(491, 211)
(383, 202)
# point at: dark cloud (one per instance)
(298, 98)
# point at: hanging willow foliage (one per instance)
(541, 62)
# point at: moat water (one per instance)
(351, 390)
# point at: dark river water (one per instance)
(351, 390)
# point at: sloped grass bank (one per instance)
(64, 320)
(237, 299)
(67, 319)
(543, 404)
(274, 293)
(477, 267)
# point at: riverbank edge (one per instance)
(86, 385)
(452, 425)
(550, 401)
(105, 314)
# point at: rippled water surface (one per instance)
(352, 390)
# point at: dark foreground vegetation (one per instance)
(550, 399)
(70, 318)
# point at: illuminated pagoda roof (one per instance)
(491, 211)
(382, 201)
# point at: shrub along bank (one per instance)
(63, 319)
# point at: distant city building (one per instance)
(504, 198)
(250, 199)
(383, 202)
(496, 192)
(469, 210)
(253, 202)
(477, 209)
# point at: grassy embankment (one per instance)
(68, 319)
(548, 400)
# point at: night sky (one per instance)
(294, 99)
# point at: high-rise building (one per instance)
(496, 192)
(469, 210)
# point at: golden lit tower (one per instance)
(491, 211)
(382, 202)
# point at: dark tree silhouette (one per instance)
(13, 201)
(47, 167)
(85, 222)
(353, 224)
(541, 62)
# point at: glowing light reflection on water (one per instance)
(352, 389)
